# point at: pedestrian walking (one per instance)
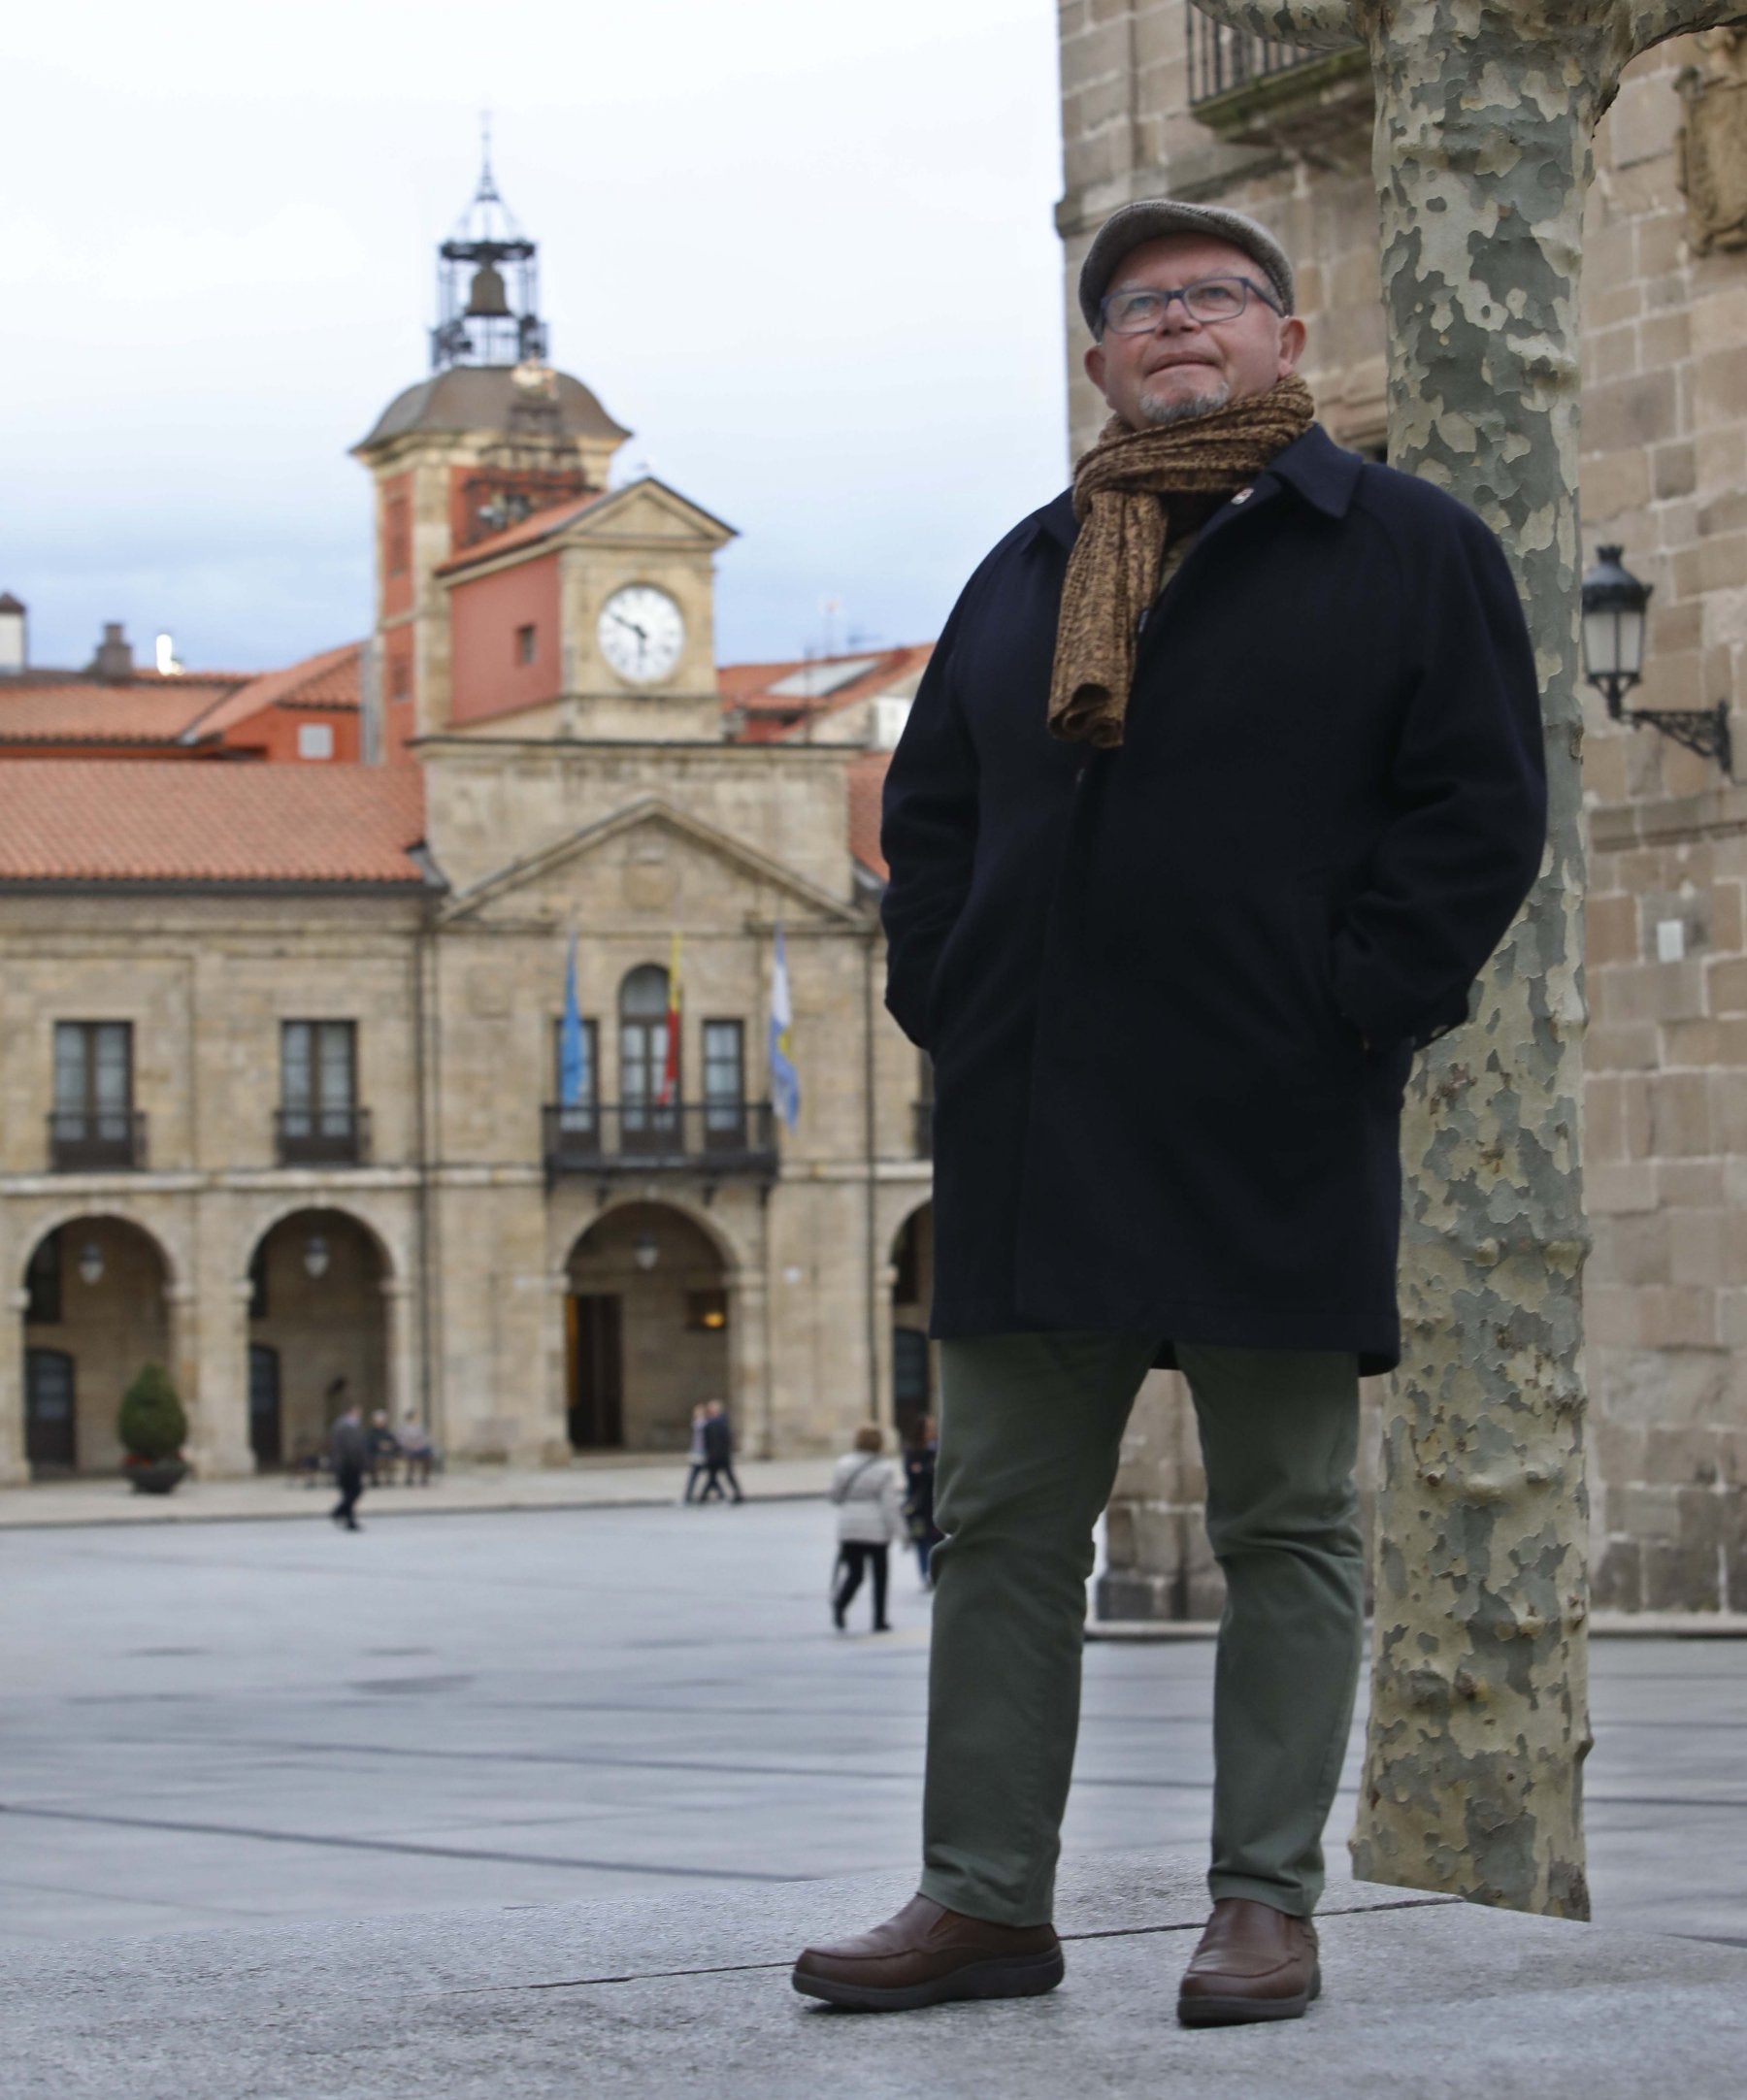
(698, 1456)
(718, 1454)
(1223, 782)
(870, 1514)
(919, 1456)
(348, 1450)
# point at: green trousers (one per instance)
(1030, 1428)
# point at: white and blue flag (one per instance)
(785, 1083)
(569, 1038)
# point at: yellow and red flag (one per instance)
(670, 1070)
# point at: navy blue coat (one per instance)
(1172, 991)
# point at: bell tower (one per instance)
(478, 324)
(491, 436)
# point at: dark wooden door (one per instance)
(49, 1424)
(597, 1415)
(266, 1430)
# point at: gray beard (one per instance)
(1160, 414)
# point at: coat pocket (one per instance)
(1314, 927)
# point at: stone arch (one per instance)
(394, 1264)
(98, 1291)
(175, 1261)
(318, 1285)
(649, 1299)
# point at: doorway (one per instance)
(597, 1400)
(50, 1431)
(265, 1425)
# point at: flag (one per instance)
(785, 1083)
(670, 1070)
(570, 1037)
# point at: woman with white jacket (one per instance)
(869, 1494)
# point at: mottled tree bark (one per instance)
(1479, 1724)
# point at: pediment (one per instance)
(681, 838)
(648, 509)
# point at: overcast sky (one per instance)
(804, 249)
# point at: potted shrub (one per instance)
(152, 1426)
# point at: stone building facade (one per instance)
(283, 1098)
(1156, 101)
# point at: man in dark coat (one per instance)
(1223, 783)
(349, 1450)
(718, 1453)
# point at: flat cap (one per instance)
(1154, 217)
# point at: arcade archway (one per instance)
(95, 1312)
(317, 1332)
(645, 1330)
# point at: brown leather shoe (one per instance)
(928, 1954)
(1254, 1963)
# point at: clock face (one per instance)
(641, 633)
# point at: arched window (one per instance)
(646, 1119)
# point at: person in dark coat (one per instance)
(919, 1456)
(348, 1449)
(718, 1454)
(1223, 783)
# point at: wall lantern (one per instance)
(91, 1263)
(1615, 603)
(316, 1255)
(646, 1251)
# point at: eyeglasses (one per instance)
(1139, 311)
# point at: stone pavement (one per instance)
(596, 1483)
(686, 1996)
(240, 1725)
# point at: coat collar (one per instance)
(1313, 466)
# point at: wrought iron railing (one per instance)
(322, 1137)
(1222, 60)
(82, 1140)
(640, 1137)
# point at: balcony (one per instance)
(322, 1137)
(1257, 92)
(707, 1138)
(94, 1140)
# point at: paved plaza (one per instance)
(223, 1723)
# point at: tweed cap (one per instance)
(1151, 219)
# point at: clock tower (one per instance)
(492, 438)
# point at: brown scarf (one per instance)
(1136, 493)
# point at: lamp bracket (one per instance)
(1703, 730)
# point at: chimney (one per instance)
(14, 655)
(114, 662)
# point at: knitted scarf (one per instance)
(1137, 493)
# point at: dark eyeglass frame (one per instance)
(1182, 292)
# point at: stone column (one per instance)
(15, 1468)
(554, 1444)
(884, 1281)
(1158, 1563)
(398, 1307)
(750, 1400)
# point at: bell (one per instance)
(487, 300)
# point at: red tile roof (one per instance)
(328, 680)
(143, 709)
(769, 714)
(866, 782)
(121, 820)
(537, 525)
